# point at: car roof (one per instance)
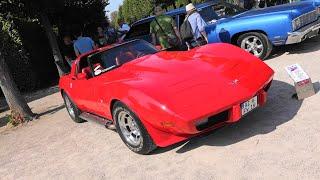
(177, 11)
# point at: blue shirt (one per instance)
(197, 24)
(83, 45)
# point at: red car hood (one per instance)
(203, 80)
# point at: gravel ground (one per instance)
(279, 141)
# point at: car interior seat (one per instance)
(87, 71)
(96, 65)
(125, 57)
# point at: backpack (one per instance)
(186, 30)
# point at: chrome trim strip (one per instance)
(301, 34)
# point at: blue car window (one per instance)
(208, 14)
(219, 10)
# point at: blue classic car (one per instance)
(258, 30)
(141, 29)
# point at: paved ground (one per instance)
(280, 141)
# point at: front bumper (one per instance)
(300, 35)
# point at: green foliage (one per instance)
(133, 10)
(60, 12)
(181, 2)
(64, 15)
(15, 119)
(114, 19)
(16, 57)
(10, 31)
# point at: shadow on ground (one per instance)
(316, 86)
(309, 45)
(52, 110)
(279, 109)
(3, 121)
(31, 96)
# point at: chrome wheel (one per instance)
(129, 128)
(253, 44)
(70, 107)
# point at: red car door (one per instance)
(90, 96)
(82, 93)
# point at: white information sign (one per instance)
(302, 82)
(297, 73)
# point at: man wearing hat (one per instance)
(197, 24)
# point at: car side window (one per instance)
(139, 30)
(208, 14)
(225, 10)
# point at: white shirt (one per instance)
(124, 27)
(197, 24)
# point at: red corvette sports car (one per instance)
(157, 98)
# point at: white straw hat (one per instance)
(190, 7)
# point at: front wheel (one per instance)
(256, 44)
(131, 130)
(72, 109)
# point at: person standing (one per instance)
(83, 44)
(124, 28)
(102, 38)
(164, 29)
(68, 50)
(111, 34)
(198, 26)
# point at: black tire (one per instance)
(266, 49)
(146, 144)
(73, 107)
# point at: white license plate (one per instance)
(250, 105)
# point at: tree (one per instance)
(13, 97)
(114, 19)
(132, 10)
(50, 12)
(46, 12)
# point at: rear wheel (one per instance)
(131, 130)
(256, 44)
(72, 109)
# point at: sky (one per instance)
(113, 5)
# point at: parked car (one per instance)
(158, 98)
(256, 30)
(141, 29)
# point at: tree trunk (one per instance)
(13, 97)
(58, 59)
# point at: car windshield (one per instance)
(218, 11)
(116, 56)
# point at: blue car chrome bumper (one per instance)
(308, 31)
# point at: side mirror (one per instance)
(82, 76)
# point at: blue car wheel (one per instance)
(256, 44)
